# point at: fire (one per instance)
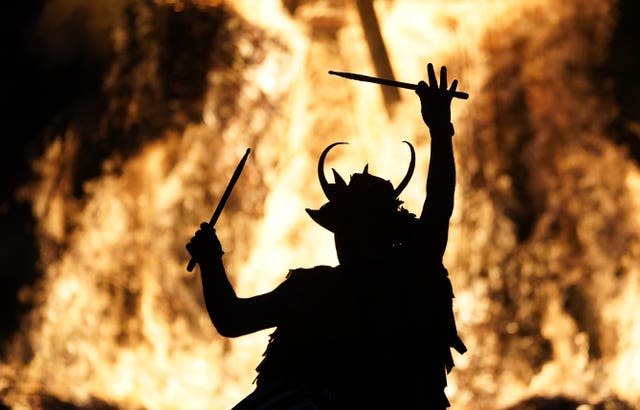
(544, 244)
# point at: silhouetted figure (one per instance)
(376, 330)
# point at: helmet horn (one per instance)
(405, 181)
(323, 179)
(338, 180)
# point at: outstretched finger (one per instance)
(443, 78)
(454, 85)
(433, 82)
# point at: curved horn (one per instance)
(405, 181)
(323, 179)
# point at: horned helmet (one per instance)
(365, 198)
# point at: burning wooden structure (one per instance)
(138, 107)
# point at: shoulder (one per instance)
(313, 271)
(314, 276)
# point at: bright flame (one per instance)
(120, 320)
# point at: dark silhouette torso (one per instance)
(365, 338)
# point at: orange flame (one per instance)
(119, 319)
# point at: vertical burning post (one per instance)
(378, 51)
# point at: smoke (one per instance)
(70, 30)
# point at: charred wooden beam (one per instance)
(377, 50)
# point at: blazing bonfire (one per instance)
(127, 117)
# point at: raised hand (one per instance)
(435, 99)
(204, 246)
